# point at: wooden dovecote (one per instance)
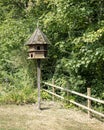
(37, 44)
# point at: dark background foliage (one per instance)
(76, 54)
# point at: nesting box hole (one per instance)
(38, 47)
(31, 55)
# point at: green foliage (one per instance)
(45, 96)
(76, 55)
(18, 96)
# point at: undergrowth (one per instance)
(18, 95)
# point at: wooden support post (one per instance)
(53, 90)
(89, 101)
(67, 94)
(38, 82)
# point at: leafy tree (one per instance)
(76, 31)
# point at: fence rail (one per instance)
(88, 97)
(76, 93)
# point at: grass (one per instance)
(51, 117)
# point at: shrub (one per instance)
(18, 96)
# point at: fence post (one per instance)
(53, 90)
(89, 101)
(67, 92)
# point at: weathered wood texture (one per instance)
(37, 44)
(89, 101)
(38, 82)
(53, 89)
(76, 93)
(75, 103)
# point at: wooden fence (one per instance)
(88, 97)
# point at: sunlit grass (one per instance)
(28, 117)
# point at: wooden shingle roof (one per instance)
(38, 37)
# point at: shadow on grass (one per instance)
(45, 108)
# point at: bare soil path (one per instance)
(52, 117)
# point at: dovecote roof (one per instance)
(38, 37)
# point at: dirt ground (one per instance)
(52, 117)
